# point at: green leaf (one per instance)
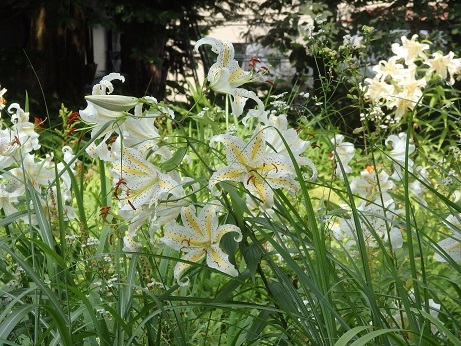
(282, 296)
(40, 284)
(440, 326)
(174, 161)
(350, 334)
(207, 121)
(228, 290)
(370, 336)
(252, 255)
(258, 325)
(7, 326)
(12, 218)
(50, 252)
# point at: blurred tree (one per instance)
(287, 20)
(439, 21)
(43, 48)
(156, 37)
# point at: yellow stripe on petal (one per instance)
(257, 145)
(218, 260)
(180, 267)
(218, 234)
(235, 149)
(188, 218)
(225, 54)
(228, 173)
(239, 77)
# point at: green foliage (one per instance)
(353, 256)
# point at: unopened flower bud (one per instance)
(116, 103)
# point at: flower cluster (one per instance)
(398, 83)
(135, 149)
(21, 168)
(377, 210)
(144, 160)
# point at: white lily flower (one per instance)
(130, 245)
(156, 216)
(140, 132)
(23, 131)
(407, 95)
(410, 50)
(102, 108)
(343, 152)
(39, 173)
(373, 186)
(139, 181)
(377, 218)
(249, 163)
(7, 201)
(399, 153)
(444, 65)
(226, 76)
(103, 150)
(276, 128)
(388, 68)
(67, 157)
(8, 146)
(377, 90)
(452, 245)
(199, 237)
(416, 187)
(2, 101)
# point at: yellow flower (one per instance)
(200, 236)
(226, 76)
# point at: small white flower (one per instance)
(399, 153)
(343, 152)
(373, 186)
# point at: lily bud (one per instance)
(116, 103)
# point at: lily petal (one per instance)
(219, 260)
(180, 267)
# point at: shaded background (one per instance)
(46, 47)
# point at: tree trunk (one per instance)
(57, 46)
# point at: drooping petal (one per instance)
(180, 267)
(236, 172)
(217, 259)
(257, 145)
(240, 97)
(105, 85)
(218, 233)
(259, 188)
(189, 219)
(218, 77)
(234, 147)
(142, 181)
(208, 219)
